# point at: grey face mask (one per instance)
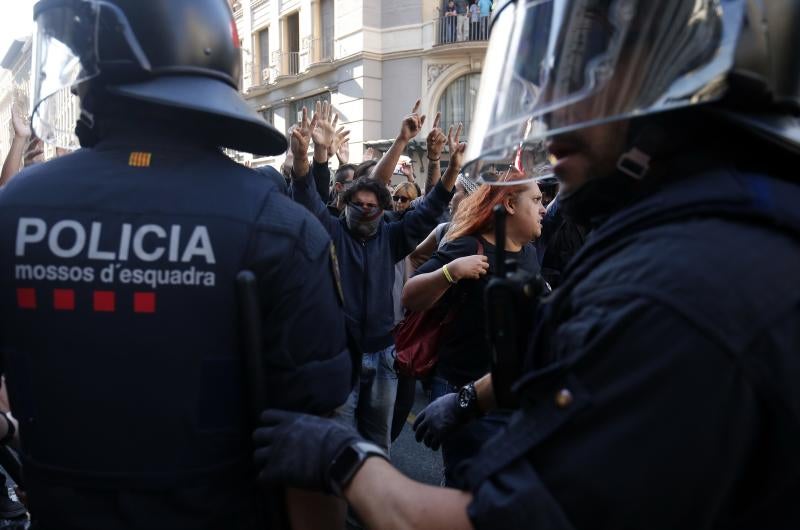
(363, 222)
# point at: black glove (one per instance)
(294, 449)
(439, 419)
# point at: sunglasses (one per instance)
(400, 199)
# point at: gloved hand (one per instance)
(294, 449)
(439, 419)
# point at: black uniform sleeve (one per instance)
(612, 432)
(307, 361)
(322, 179)
(303, 191)
(417, 223)
(463, 246)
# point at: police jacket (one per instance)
(661, 390)
(368, 265)
(120, 338)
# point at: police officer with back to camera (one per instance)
(118, 326)
(660, 387)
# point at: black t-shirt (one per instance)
(464, 353)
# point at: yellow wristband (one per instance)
(447, 275)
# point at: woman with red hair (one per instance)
(457, 275)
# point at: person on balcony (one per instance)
(463, 21)
(486, 10)
(474, 21)
(449, 25)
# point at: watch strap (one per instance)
(341, 472)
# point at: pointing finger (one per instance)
(416, 107)
(436, 120)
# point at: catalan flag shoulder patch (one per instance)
(140, 159)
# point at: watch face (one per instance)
(465, 397)
(343, 466)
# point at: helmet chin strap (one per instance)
(85, 129)
(601, 196)
(634, 163)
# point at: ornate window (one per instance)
(457, 104)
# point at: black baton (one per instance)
(253, 366)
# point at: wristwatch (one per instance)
(344, 467)
(468, 401)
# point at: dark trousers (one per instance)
(406, 390)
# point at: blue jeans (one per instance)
(370, 406)
(467, 441)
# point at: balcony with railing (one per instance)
(451, 29)
(236, 7)
(286, 63)
(320, 50)
(268, 75)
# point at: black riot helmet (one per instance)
(571, 64)
(179, 54)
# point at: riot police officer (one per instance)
(659, 390)
(119, 334)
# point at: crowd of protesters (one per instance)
(404, 248)
(400, 248)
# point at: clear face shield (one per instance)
(569, 64)
(66, 53)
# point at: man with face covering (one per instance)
(368, 247)
(659, 389)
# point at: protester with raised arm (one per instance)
(23, 151)
(367, 248)
(409, 129)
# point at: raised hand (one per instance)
(299, 141)
(408, 170)
(436, 139)
(412, 124)
(340, 139)
(456, 148)
(343, 153)
(22, 128)
(324, 131)
(301, 136)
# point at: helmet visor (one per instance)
(570, 64)
(66, 54)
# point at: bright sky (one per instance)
(16, 20)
